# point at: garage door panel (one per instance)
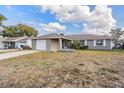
(41, 44)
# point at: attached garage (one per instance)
(50, 42)
(40, 44)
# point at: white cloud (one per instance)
(52, 27)
(100, 21)
(68, 13)
(97, 21)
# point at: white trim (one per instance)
(20, 38)
(104, 42)
(94, 43)
(85, 42)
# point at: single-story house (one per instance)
(55, 42)
(50, 42)
(15, 42)
(100, 42)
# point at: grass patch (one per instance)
(104, 69)
(81, 68)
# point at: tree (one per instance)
(116, 35)
(75, 44)
(19, 30)
(2, 18)
(62, 34)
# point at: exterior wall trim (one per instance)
(94, 42)
(85, 42)
(104, 42)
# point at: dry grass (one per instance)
(64, 69)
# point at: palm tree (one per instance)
(2, 18)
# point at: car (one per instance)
(25, 47)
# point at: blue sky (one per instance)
(50, 20)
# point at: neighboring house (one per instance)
(1, 43)
(15, 42)
(1, 34)
(50, 42)
(1, 39)
(100, 42)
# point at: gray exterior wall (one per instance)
(33, 44)
(48, 45)
(90, 44)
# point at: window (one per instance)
(99, 42)
(82, 42)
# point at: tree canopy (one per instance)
(116, 35)
(19, 30)
(2, 18)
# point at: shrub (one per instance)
(83, 47)
(75, 44)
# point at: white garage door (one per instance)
(41, 44)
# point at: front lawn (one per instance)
(84, 68)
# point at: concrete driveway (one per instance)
(7, 50)
(15, 54)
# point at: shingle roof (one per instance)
(14, 39)
(51, 36)
(87, 37)
(74, 37)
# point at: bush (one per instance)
(75, 44)
(122, 46)
(83, 47)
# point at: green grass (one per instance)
(119, 50)
(114, 50)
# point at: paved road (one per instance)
(15, 54)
